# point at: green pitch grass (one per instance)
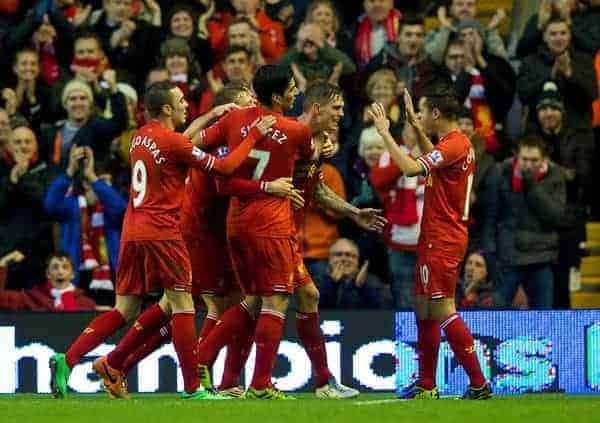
(306, 409)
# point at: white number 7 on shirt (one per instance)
(263, 160)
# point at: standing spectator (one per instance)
(271, 34)
(23, 181)
(402, 198)
(57, 294)
(454, 58)
(90, 218)
(81, 126)
(524, 221)
(489, 87)
(345, 285)
(129, 43)
(311, 58)
(376, 28)
(573, 151)
(319, 227)
(242, 33)
(408, 59)
(324, 14)
(436, 42)
(475, 288)
(572, 71)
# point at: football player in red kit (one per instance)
(449, 166)
(152, 253)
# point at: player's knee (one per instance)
(442, 308)
(130, 310)
(276, 302)
(179, 302)
(308, 298)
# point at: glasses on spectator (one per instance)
(344, 254)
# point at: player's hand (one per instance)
(409, 108)
(370, 220)
(379, 117)
(280, 187)
(328, 149)
(219, 111)
(265, 124)
(13, 257)
(297, 199)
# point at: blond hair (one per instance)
(316, 3)
(382, 75)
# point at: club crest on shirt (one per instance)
(435, 157)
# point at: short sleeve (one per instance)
(445, 154)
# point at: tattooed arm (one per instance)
(369, 219)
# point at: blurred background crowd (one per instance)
(73, 74)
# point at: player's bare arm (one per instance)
(369, 219)
(201, 122)
(408, 165)
(423, 140)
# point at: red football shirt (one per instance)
(449, 168)
(160, 159)
(272, 157)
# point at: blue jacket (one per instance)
(65, 208)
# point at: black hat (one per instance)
(550, 97)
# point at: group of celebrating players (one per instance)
(212, 216)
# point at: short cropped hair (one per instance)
(157, 95)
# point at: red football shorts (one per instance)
(263, 266)
(436, 277)
(211, 267)
(301, 275)
(150, 266)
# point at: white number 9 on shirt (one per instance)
(139, 181)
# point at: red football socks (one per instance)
(97, 331)
(209, 322)
(311, 337)
(461, 341)
(237, 355)
(186, 346)
(152, 319)
(235, 321)
(269, 330)
(428, 345)
(156, 340)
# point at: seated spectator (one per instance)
(311, 58)
(572, 71)
(271, 34)
(319, 227)
(57, 294)
(376, 28)
(488, 84)
(573, 151)
(90, 215)
(347, 286)
(408, 59)
(523, 222)
(23, 181)
(475, 288)
(402, 199)
(82, 127)
(480, 191)
(324, 14)
(436, 42)
(182, 23)
(129, 43)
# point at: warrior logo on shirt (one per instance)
(435, 157)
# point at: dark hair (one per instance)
(25, 50)
(244, 20)
(157, 95)
(86, 35)
(182, 7)
(322, 93)
(444, 98)
(557, 19)
(271, 80)
(229, 94)
(411, 20)
(62, 255)
(532, 141)
(237, 49)
(464, 113)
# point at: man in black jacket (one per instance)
(523, 221)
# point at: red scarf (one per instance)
(362, 45)
(94, 252)
(64, 299)
(483, 119)
(517, 177)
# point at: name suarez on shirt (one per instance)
(150, 145)
(273, 133)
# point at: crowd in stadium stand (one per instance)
(73, 75)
